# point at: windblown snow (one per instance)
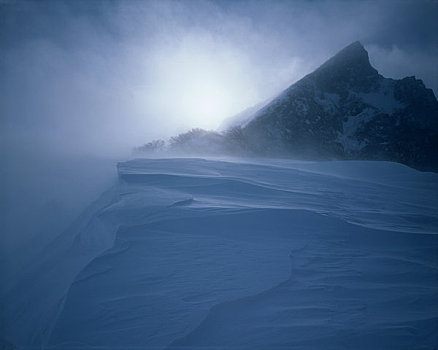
(224, 254)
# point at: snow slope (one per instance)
(260, 254)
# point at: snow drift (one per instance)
(260, 254)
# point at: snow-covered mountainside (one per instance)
(223, 254)
(242, 118)
(345, 109)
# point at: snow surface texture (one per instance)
(214, 254)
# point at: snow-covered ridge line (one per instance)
(178, 244)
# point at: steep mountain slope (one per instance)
(345, 109)
(243, 117)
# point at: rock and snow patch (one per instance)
(383, 98)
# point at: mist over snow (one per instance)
(255, 254)
(97, 250)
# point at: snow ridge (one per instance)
(251, 254)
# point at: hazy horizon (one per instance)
(102, 77)
(214, 240)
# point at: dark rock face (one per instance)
(346, 110)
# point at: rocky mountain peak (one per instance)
(343, 110)
(350, 68)
(346, 110)
(352, 56)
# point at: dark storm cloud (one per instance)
(83, 74)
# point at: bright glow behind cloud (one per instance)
(199, 85)
(114, 75)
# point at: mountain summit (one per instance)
(354, 56)
(346, 110)
(343, 110)
(350, 68)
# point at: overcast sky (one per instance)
(103, 76)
